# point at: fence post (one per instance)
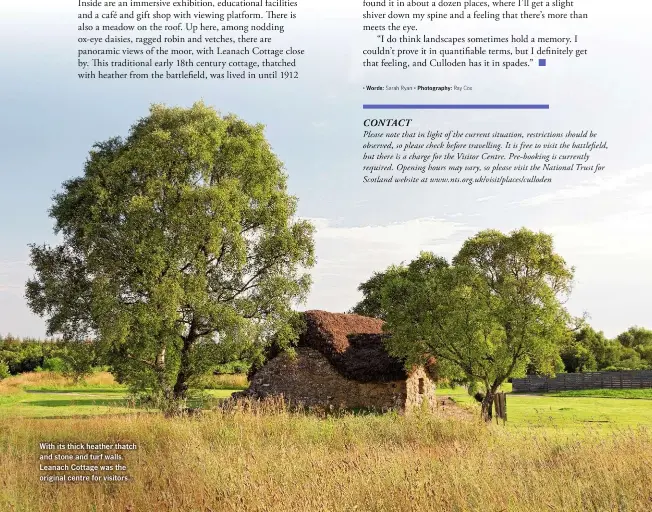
(500, 401)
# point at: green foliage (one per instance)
(54, 364)
(605, 352)
(589, 350)
(635, 337)
(29, 355)
(492, 313)
(4, 370)
(22, 357)
(578, 358)
(645, 353)
(25, 355)
(372, 303)
(637, 348)
(79, 359)
(232, 368)
(180, 250)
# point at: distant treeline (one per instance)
(588, 350)
(585, 351)
(20, 355)
(27, 355)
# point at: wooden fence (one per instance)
(589, 380)
(500, 403)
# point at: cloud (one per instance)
(609, 252)
(590, 188)
(611, 256)
(13, 275)
(484, 199)
(348, 255)
(420, 231)
(9, 288)
(625, 234)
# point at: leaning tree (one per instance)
(178, 242)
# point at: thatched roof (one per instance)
(353, 344)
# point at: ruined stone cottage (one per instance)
(341, 363)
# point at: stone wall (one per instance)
(420, 391)
(310, 380)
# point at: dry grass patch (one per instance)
(225, 381)
(52, 380)
(274, 460)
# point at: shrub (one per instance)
(54, 364)
(4, 370)
(232, 368)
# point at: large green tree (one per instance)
(178, 242)
(494, 312)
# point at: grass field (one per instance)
(47, 395)
(279, 461)
(645, 394)
(269, 459)
(573, 410)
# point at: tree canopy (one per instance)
(178, 242)
(491, 313)
(372, 301)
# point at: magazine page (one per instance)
(370, 255)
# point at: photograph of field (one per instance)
(554, 452)
(180, 370)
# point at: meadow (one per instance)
(572, 453)
(49, 395)
(573, 411)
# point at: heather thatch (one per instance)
(353, 344)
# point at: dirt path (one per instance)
(448, 407)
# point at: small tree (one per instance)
(177, 240)
(491, 314)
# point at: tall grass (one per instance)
(52, 380)
(224, 381)
(269, 459)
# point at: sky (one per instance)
(601, 224)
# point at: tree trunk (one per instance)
(160, 374)
(181, 384)
(487, 405)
